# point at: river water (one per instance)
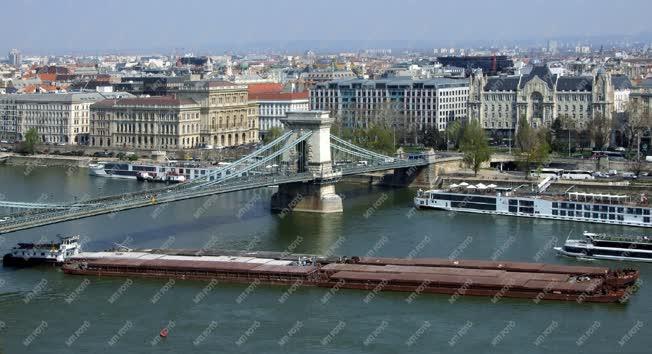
(44, 311)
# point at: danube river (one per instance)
(44, 311)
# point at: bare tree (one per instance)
(637, 121)
(600, 129)
(568, 124)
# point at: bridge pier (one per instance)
(314, 157)
(307, 197)
(421, 176)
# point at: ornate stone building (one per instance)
(152, 123)
(227, 116)
(540, 97)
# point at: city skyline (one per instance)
(167, 26)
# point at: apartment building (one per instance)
(59, 118)
(421, 103)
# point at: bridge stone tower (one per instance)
(310, 156)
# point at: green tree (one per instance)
(273, 133)
(475, 147)
(380, 139)
(532, 144)
(431, 137)
(31, 139)
(376, 138)
(454, 132)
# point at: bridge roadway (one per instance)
(117, 203)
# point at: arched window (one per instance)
(537, 105)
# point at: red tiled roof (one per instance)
(264, 87)
(279, 96)
(43, 88)
(47, 77)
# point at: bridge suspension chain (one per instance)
(359, 149)
(233, 172)
(218, 172)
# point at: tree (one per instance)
(380, 139)
(454, 132)
(532, 144)
(636, 122)
(273, 133)
(431, 137)
(563, 128)
(31, 139)
(474, 146)
(600, 129)
(376, 138)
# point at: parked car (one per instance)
(629, 175)
(600, 175)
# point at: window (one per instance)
(554, 212)
(587, 215)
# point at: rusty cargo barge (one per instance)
(426, 275)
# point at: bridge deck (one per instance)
(114, 204)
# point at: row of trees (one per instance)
(628, 128)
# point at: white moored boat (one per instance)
(601, 246)
(573, 206)
(173, 171)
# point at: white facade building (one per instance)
(421, 103)
(272, 107)
(59, 118)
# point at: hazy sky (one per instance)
(45, 26)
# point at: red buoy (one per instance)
(164, 332)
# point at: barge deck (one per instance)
(429, 275)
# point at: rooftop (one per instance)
(71, 97)
(279, 96)
(439, 82)
(168, 101)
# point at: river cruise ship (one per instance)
(172, 171)
(607, 247)
(572, 206)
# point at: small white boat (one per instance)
(25, 254)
